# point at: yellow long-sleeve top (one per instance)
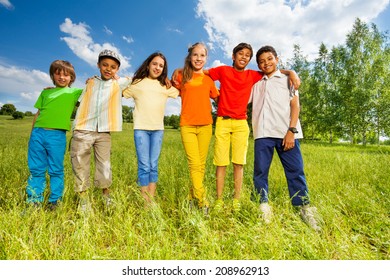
(150, 98)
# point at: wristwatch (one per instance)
(293, 129)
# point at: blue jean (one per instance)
(46, 151)
(293, 168)
(148, 147)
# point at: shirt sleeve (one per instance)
(77, 93)
(38, 103)
(128, 92)
(124, 82)
(214, 93)
(214, 73)
(173, 92)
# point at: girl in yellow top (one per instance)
(150, 93)
(196, 120)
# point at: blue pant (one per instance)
(148, 147)
(293, 168)
(46, 151)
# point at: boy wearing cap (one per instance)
(99, 114)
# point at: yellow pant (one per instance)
(234, 133)
(196, 140)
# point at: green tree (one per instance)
(127, 113)
(324, 85)
(17, 115)
(7, 109)
(362, 83)
(173, 121)
(300, 64)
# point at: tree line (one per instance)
(345, 91)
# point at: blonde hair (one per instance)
(188, 69)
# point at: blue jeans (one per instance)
(46, 151)
(293, 168)
(148, 147)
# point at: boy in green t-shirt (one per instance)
(47, 145)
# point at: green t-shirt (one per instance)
(56, 106)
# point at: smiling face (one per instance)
(267, 63)
(241, 59)
(108, 68)
(61, 78)
(156, 67)
(198, 58)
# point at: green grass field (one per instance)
(349, 185)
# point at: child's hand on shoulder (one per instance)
(174, 77)
(168, 83)
(90, 78)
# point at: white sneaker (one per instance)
(84, 204)
(308, 216)
(266, 212)
(108, 201)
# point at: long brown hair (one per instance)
(188, 69)
(143, 71)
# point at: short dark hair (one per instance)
(265, 49)
(241, 46)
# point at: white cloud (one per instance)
(82, 44)
(216, 63)
(283, 23)
(108, 31)
(22, 87)
(175, 30)
(128, 39)
(7, 4)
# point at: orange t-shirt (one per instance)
(195, 100)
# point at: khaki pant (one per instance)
(82, 144)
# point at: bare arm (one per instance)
(289, 138)
(35, 118)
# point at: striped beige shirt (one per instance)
(100, 106)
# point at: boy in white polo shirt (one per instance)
(276, 126)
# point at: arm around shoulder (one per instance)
(293, 77)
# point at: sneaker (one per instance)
(52, 206)
(84, 205)
(206, 210)
(191, 205)
(108, 202)
(236, 205)
(266, 212)
(218, 205)
(308, 214)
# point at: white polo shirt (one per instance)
(270, 99)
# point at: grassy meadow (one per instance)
(349, 185)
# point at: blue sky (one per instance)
(34, 33)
